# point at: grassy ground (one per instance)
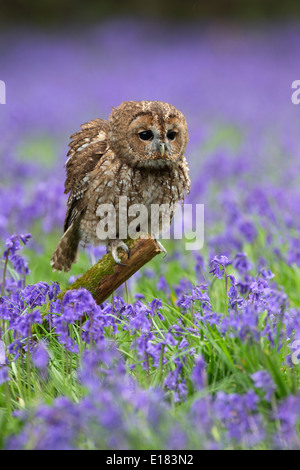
(230, 360)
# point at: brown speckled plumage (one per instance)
(108, 159)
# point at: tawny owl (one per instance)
(138, 153)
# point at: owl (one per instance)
(137, 153)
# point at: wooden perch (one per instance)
(106, 276)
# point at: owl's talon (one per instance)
(114, 251)
(117, 260)
(161, 247)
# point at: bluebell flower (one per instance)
(263, 380)
(219, 263)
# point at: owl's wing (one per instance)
(86, 148)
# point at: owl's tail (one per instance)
(66, 252)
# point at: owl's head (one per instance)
(148, 134)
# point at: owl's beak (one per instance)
(162, 148)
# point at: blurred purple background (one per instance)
(231, 80)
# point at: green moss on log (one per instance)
(92, 278)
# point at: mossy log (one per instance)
(106, 276)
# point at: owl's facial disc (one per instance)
(155, 141)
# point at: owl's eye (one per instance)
(146, 135)
(171, 135)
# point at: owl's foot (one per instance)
(161, 247)
(113, 247)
